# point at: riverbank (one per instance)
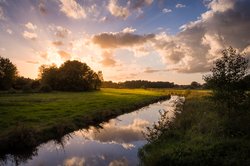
(26, 120)
(202, 135)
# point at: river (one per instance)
(115, 142)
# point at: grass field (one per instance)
(202, 135)
(29, 119)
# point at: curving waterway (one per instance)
(115, 142)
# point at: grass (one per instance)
(202, 135)
(29, 119)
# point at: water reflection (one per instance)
(113, 143)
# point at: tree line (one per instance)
(151, 84)
(70, 76)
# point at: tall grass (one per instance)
(202, 135)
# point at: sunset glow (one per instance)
(154, 40)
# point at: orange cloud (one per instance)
(64, 55)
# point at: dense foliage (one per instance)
(227, 77)
(8, 72)
(70, 76)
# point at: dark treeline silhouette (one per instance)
(138, 84)
(150, 84)
(70, 76)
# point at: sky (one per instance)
(156, 40)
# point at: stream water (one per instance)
(116, 142)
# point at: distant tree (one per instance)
(195, 85)
(227, 77)
(8, 72)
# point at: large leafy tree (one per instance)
(70, 76)
(8, 72)
(227, 76)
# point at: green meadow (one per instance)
(43, 116)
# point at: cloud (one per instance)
(128, 30)
(150, 70)
(120, 162)
(116, 10)
(42, 6)
(199, 43)
(72, 9)
(57, 43)
(136, 4)
(120, 39)
(179, 5)
(124, 11)
(59, 31)
(30, 35)
(30, 26)
(108, 60)
(43, 55)
(9, 31)
(64, 55)
(2, 17)
(74, 161)
(165, 10)
(103, 19)
(32, 62)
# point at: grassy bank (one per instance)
(202, 135)
(29, 119)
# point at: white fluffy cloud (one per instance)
(179, 5)
(116, 10)
(128, 30)
(123, 12)
(72, 9)
(30, 26)
(165, 10)
(29, 35)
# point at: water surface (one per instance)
(115, 142)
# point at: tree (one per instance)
(70, 76)
(227, 78)
(247, 81)
(49, 76)
(8, 72)
(195, 85)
